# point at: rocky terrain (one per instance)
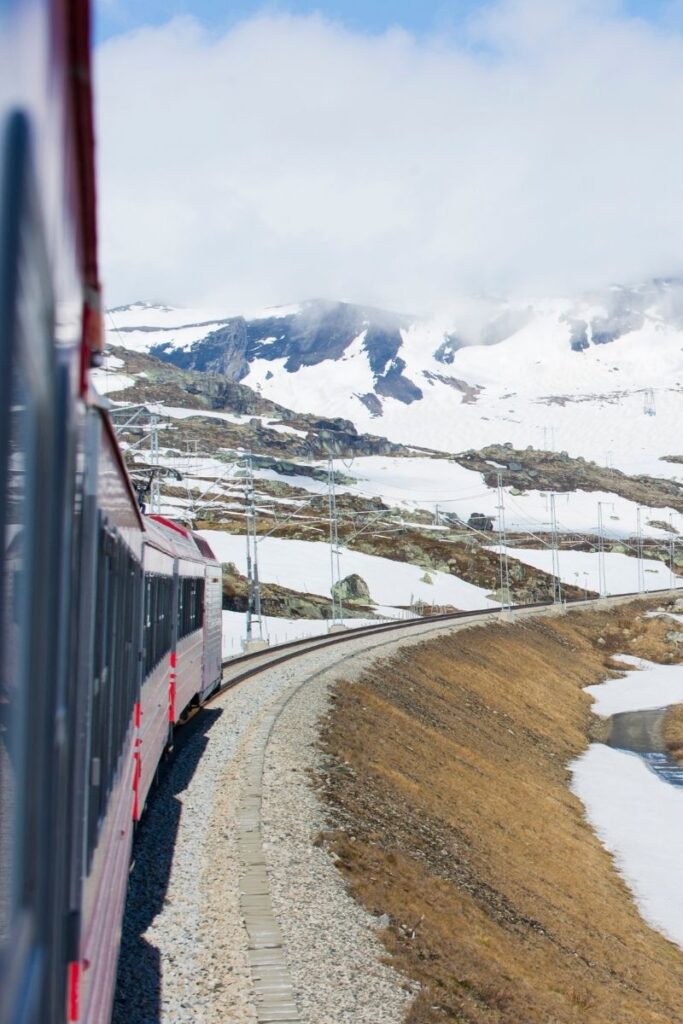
(292, 604)
(534, 469)
(211, 385)
(300, 435)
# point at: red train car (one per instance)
(183, 654)
(109, 622)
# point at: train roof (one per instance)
(176, 540)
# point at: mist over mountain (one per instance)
(584, 375)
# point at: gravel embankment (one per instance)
(333, 952)
(184, 955)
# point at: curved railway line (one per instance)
(234, 670)
(273, 991)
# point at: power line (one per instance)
(557, 581)
(505, 601)
(335, 569)
(639, 551)
(253, 617)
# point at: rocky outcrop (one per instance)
(371, 403)
(281, 602)
(445, 353)
(317, 332)
(157, 382)
(352, 590)
(223, 351)
(394, 384)
(532, 469)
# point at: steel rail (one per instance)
(272, 657)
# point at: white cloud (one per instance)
(290, 157)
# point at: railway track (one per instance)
(243, 667)
(222, 878)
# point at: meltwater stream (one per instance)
(632, 790)
(640, 732)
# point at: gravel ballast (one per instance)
(185, 955)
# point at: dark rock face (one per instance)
(320, 331)
(392, 384)
(382, 347)
(223, 351)
(578, 336)
(607, 329)
(445, 353)
(371, 403)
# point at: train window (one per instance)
(158, 617)
(191, 605)
(115, 676)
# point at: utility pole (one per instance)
(672, 553)
(555, 548)
(505, 602)
(602, 575)
(335, 569)
(155, 487)
(253, 585)
(639, 551)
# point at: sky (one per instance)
(395, 153)
(418, 16)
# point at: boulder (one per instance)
(352, 590)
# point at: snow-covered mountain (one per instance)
(600, 377)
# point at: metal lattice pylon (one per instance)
(155, 487)
(505, 599)
(335, 566)
(555, 548)
(639, 551)
(254, 619)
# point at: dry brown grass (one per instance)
(448, 790)
(673, 731)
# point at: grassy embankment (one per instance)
(448, 792)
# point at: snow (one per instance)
(647, 686)
(581, 569)
(536, 390)
(422, 482)
(351, 375)
(305, 566)
(639, 819)
(176, 413)
(601, 419)
(175, 326)
(637, 815)
(106, 381)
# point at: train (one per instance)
(110, 619)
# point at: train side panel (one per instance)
(187, 664)
(153, 726)
(111, 669)
(213, 629)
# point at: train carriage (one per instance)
(99, 607)
(109, 674)
(182, 628)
